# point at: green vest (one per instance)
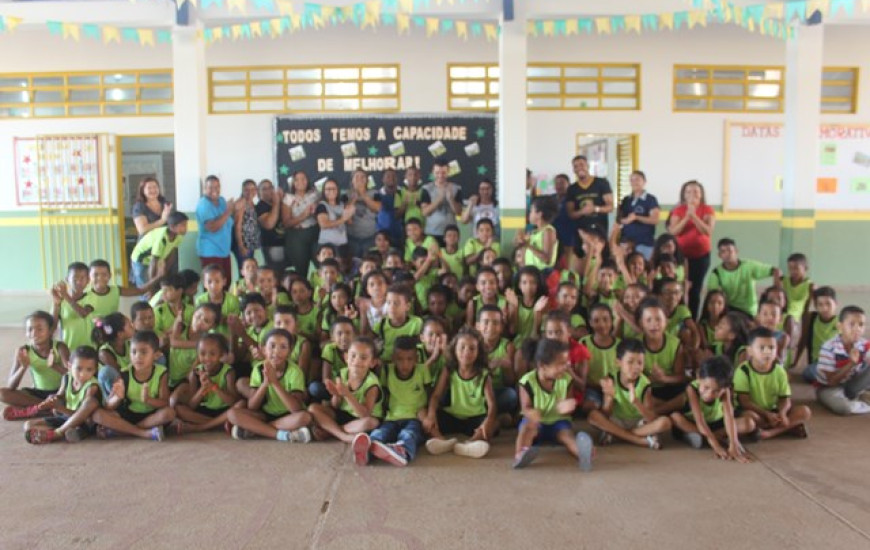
(712, 412)
(467, 398)
(134, 389)
(72, 398)
(360, 394)
(213, 401)
(664, 357)
(603, 360)
(332, 355)
(385, 330)
(536, 239)
(820, 332)
(546, 401)
(44, 377)
(499, 352)
(122, 360)
(292, 381)
(405, 397)
(798, 296)
(623, 408)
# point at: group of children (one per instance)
(444, 346)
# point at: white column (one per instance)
(803, 89)
(512, 119)
(190, 106)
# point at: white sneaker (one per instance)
(471, 449)
(302, 435)
(438, 446)
(694, 439)
(864, 397)
(859, 407)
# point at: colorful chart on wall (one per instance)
(57, 170)
(335, 146)
(754, 166)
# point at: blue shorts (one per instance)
(595, 396)
(547, 432)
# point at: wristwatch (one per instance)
(596, 209)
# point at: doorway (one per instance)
(142, 156)
(611, 156)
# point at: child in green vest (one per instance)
(44, 358)
(432, 349)
(333, 357)
(398, 321)
(663, 358)
(138, 404)
(248, 281)
(451, 256)
(817, 327)
(276, 406)
(102, 296)
(463, 400)
(708, 412)
(214, 283)
(547, 405)
(602, 346)
(626, 310)
(70, 309)
(715, 307)
(483, 240)
(72, 406)
(212, 388)
(500, 358)
(541, 245)
(183, 341)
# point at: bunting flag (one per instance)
(8, 23)
(284, 7)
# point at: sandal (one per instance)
(653, 442)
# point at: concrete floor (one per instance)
(208, 491)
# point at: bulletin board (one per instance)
(754, 166)
(58, 170)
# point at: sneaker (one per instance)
(20, 413)
(652, 441)
(585, 449)
(240, 433)
(391, 454)
(38, 437)
(76, 434)
(525, 457)
(800, 431)
(864, 396)
(437, 446)
(361, 444)
(694, 439)
(471, 449)
(302, 435)
(157, 433)
(106, 433)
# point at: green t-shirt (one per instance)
(258, 334)
(525, 321)
(76, 329)
(536, 239)
(820, 332)
(230, 306)
(370, 381)
(164, 318)
(103, 304)
(44, 377)
(307, 322)
(603, 360)
(155, 243)
(467, 397)
(413, 210)
(798, 295)
(713, 412)
(122, 360)
(426, 243)
(474, 246)
(665, 357)
(332, 355)
(181, 360)
(133, 397)
(623, 408)
(765, 389)
(385, 331)
(213, 401)
(478, 303)
(739, 284)
(73, 399)
(405, 396)
(292, 380)
(283, 300)
(546, 401)
(421, 287)
(680, 315)
(455, 261)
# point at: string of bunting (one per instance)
(285, 7)
(8, 23)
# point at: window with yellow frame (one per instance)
(304, 89)
(549, 86)
(86, 94)
(727, 88)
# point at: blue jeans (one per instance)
(359, 246)
(507, 400)
(644, 249)
(407, 432)
(140, 273)
(106, 377)
(809, 373)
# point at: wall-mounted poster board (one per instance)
(754, 166)
(335, 146)
(58, 170)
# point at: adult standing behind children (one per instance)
(246, 229)
(440, 202)
(692, 223)
(151, 209)
(364, 224)
(638, 215)
(300, 225)
(271, 227)
(214, 217)
(589, 198)
(483, 205)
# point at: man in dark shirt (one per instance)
(589, 199)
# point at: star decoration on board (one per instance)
(373, 151)
(481, 170)
(279, 138)
(480, 133)
(284, 169)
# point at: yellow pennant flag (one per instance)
(218, 33)
(347, 12)
(146, 37)
(571, 27)
(490, 31)
(275, 26)
(373, 8)
(71, 30)
(328, 12)
(295, 22)
(12, 22)
(462, 30)
(773, 11)
(317, 20)
(406, 6)
(666, 21)
(237, 5)
(256, 29)
(549, 28)
(531, 28)
(738, 15)
(285, 7)
(821, 5)
(432, 25)
(237, 31)
(369, 21)
(403, 22)
(697, 18)
(602, 25)
(865, 5)
(110, 34)
(750, 24)
(632, 23)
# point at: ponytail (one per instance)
(107, 328)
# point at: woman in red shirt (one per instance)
(692, 224)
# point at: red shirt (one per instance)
(693, 244)
(577, 352)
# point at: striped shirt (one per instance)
(833, 357)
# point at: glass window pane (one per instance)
(119, 78)
(304, 74)
(13, 81)
(619, 72)
(14, 97)
(580, 87)
(693, 74)
(537, 71)
(275, 74)
(341, 104)
(725, 74)
(543, 87)
(379, 88)
(460, 103)
(493, 103)
(619, 88)
(156, 93)
(114, 109)
(156, 108)
(767, 74)
(341, 74)
(838, 75)
(40, 96)
(119, 94)
(304, 104)
(494, 72)
(268, 105)
(762, 104)
(727, 104)
(379, 72)
(380, 104)
(838, 107)
(229, 106)
(728, 89)
(272, 90)
(691, 104)
(467, 72)
(342, 88)
(224, 76)
(581, 103)
(695, 88)
(468, 87)
(493, 87)
(304, 89)
(155, 78)
(18, 112)
(836, 91)
(48, 81)
(49, 111)
(619, 103)
(229, 91)
(84, 95)
(763, 90)
(84, 110)
(84, 80)
(581, 72)
(544, 102)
